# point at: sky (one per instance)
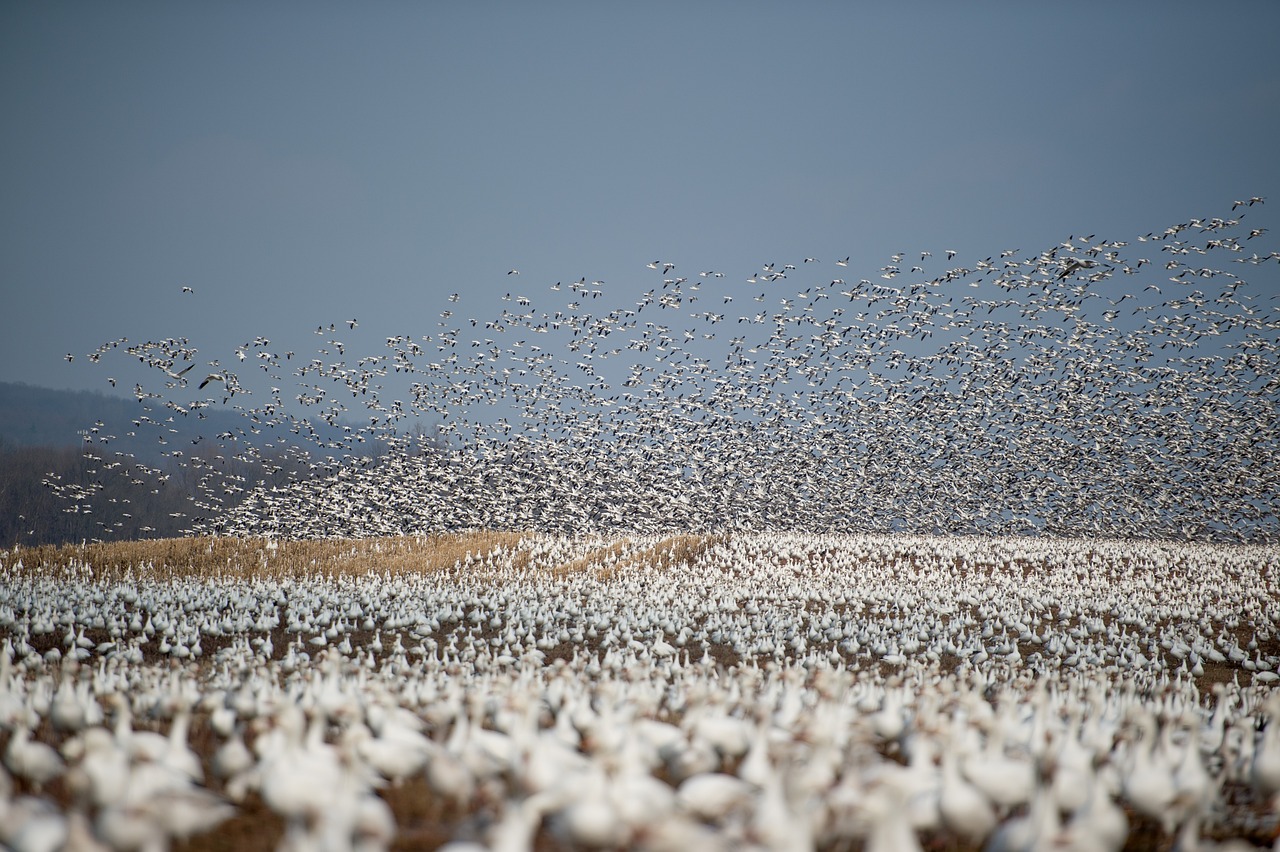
(299, 164)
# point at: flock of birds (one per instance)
(1100, 387)
(754, 691)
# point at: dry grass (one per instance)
(260, 558)
(675, 550)
(683, 549)
(603, 557)
(205, 557)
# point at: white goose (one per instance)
(1149, 784)
(1099, 824)
(31, 760)
(963, 808)
(1006, 781)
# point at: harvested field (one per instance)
(730, 691)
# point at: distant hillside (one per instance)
(33, 416)
(42, 441)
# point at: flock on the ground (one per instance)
(745, 692)
(1106, 385)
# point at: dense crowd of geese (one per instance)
(1121, 387)
(745, 691)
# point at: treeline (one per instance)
(40, 486)
(54, 495)
(80, 465)
(32, 416)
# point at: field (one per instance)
(515, 691)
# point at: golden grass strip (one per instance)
(206, 557)
(671, 551)
(600, 558)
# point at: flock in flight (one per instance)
(1100, 386)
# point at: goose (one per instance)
(1264, 766)
(1038, 829)
(1149, 784)
(640, 799)
(890, 720)
(449, 778)
(31, 823)
(100, 774)
(963, 809)
(213, 377)
(80, 836)
(1099, 824)
(68, 711)
(1196, 789)
(177, 755)
(232, 764)
(176, 807)
(520, 819)
(1072, 770)
(713, 796)
(590, 817)
(889, 829)
(157, 807)
(31, 760)
(298, 780)
(179, 374)
(1006, 781)
(396, 755)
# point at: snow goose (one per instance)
(1036, 830)
(100, 772)
(139, 745)
(31, 760)
(232, 762)
(31, 823)
(713, 796)
(1149, 784)
(590, 817)
(68, 712)
(1006, 781)
(394, 756)
(299, 780)
(885, 809)
(178, 755)
(1099, 824)
(964, 810)
(1264, 767)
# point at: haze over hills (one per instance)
(54, 442)
(1117, 386)
(34, 416)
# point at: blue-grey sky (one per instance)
(298, 164)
